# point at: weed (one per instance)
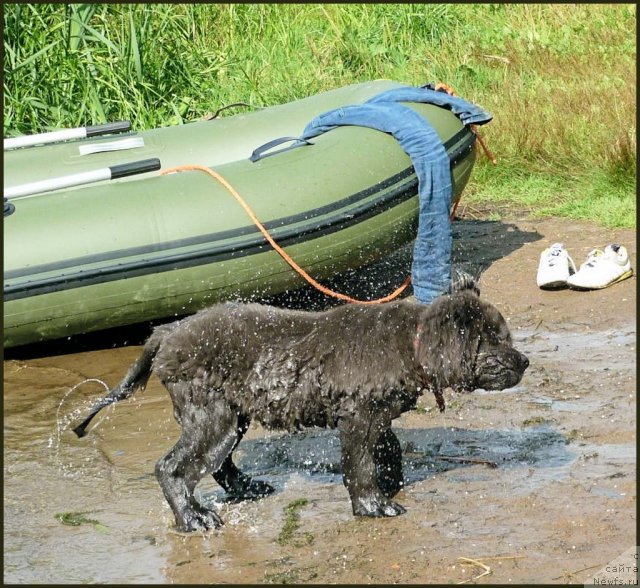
(559, 79)
(289, 534)
(573, 435)
(75, 519)
(534, 421)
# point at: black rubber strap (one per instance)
(259, 153)
(119, 126)
(135, 167)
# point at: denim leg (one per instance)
(431, 267)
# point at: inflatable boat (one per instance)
(124, 247)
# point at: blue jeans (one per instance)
(431, 267)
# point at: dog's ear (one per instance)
(462, 280)
(449, 337)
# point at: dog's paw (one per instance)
(258, 489)
(253, 490)
(198, 519)
(377, 507)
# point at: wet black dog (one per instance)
(354, 368)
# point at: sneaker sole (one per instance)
(624, 276)
(558, 285)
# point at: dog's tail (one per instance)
(136, 378)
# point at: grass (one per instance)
(559, 79)
(587, 194)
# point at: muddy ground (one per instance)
(551, 497)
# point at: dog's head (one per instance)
(464, 343)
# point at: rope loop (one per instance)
(441, 87)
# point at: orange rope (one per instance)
(442, 87)
(280, 250)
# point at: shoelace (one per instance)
(554, 254)
(593, 257)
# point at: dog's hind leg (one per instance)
(208, 435)
(387, 455)
(236, 484)
(178, 474)
(358, 437)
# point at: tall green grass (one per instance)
(559, 78)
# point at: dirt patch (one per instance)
(530, 485)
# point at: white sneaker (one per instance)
(602, 269)
(555, 267)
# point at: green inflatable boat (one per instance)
(124, 247)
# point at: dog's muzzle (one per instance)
(498, 372)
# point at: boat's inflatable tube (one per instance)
(148, 246)
(210, 143)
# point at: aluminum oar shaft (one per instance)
(66, 135)
(105, 173)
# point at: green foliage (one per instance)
(588, 194)
(559, 78)
(75, 519)
(290, 535)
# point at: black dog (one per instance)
(354, 368)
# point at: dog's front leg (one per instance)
(358, 437)
(387, 455)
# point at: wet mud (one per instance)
(536, 484)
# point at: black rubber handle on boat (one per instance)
(8, 208)
(258, 153)
(119, 126)
(135, 167)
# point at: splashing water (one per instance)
(60, 426)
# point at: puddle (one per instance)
(316, 453)
(579, 405)
(583, 350)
